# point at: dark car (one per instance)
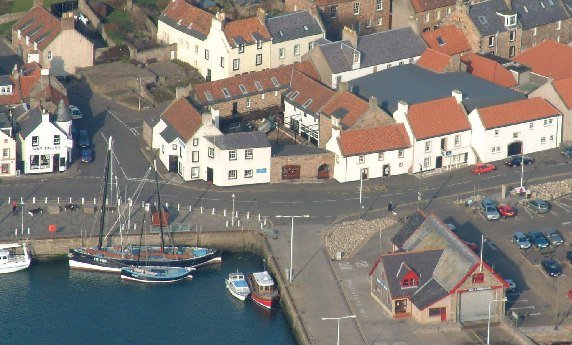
(538, 206)
(83, 140)
(554, 237)
(569, 257)
(517, 160)
(538, 239)
(86, 155)
(552, 268)
(566, 151)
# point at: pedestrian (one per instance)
(389, 207)
(14, 207)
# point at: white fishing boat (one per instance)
(10, 260)
(237, 286)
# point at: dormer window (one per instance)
(510, 20)
(356, 56)
(409, 282)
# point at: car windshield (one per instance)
(521, 238)
(490, 208)
(552, 264)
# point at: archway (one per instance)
(324, 171)
(514, 148)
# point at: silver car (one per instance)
(554, 236)
(521, 240)
(490, 209)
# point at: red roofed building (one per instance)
(549, 59)
(503, 130)
(53, 43)
(488, 69)
(447, 39)
(559, 94)
(439, 62)
(439, 131)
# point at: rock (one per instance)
(552, 190)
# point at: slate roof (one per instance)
(182, 120)
(345, 106)
(297, 150)
(483, 67)
(437, 117)
(414, 84)
(338, 55)
(484, 16)
(246, 31)
(447, 39)
(292, 26)
(434, 61)
(187, 18)
(5, 80)
(533, 13)
(15, 97)
(428, 294)
(355, 142)
(516, 112)
(549, 59)
(388, 46)
(63, 112)
(169, 134)
(568, 4)
(307, 94)
(241, 140)
(564, 88)
(4, 121)
(30, 121)
(412, 222)
(426, 5)
(39, 25)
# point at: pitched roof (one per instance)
(15, 96)
(192, 20)
(549, 59)
(484, 16)
(564, 89)
(388, 46)
(426, 5)
(281, 149)
(488, 69)
(29, 121)
(533, 13)
(437, 117)
(434, 61)
(516, 112)
(63, 112)
(346, 106)
(338, 55)
(246, 31)
(242, 140)
(307, 93)
(183, 118)
(291, 26)
(411, 224)
(39, 25)
(355, 142)
(447, 39)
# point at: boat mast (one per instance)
(104, 197)
(160, 208)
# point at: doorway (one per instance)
(439, 162)
(208, 77)
(386, 170)
(364, 173)
(443, 313)
(210, 175)
(234, 108)
(400, 306)
(173, 163)
(56, 163)
(324, 171)
(514, 148)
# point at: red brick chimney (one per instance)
(38, 3)
(67, 21)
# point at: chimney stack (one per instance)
(372, 103)
(342, 86)
(403, 106)
(45, 115)
(350, 35)
(38, 3)
(67, 21)
(458, 95)
(261, 14)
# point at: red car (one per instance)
(507, 211)
(480, 168)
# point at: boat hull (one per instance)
(14, 268)
(240, 296)
(147, 275)
(262, 301)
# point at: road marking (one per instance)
(286, 202)
(331, 200)
(533, 314)
(361, 264)
(345, 266)
(131, 129)
(520, 300)
(248, 201)
(561, 205)
(493, 247)
(529, 307)
(364, 197)
(566, 223)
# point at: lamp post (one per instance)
(232, 209)
(338, 319)
(292, 241)
(521, 165)
(489, 320)
(360, 187)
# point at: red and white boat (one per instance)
(262, 289)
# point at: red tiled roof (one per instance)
(438, 117)
(40, 25)
(426, 5)
(377, 139)
(32, 68)
(516, 112)
(184, 118)
(488, 69)
(14, 98)
(282, 74)
(27, 84)
(308, 90)
(245, 28)
(447, 39)
(188, 14)
(433, 60)
(549, 58)
(352, 104)
(564, 89)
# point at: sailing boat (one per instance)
(10, 261)
(114, 258)
(155, 274)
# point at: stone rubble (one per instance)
(552, 190)
(347, 237)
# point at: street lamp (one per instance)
(489, 320)
(338, 319)
(232, 209)
(139, 93)
(360, 187)
(521, 165)
(292, 241)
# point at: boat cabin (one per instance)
(4, 256)
(263, 282)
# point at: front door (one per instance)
(208, 78)
(439, 162)
(514, 148)
(210, 174)
(173, 163)
(443, 313)
(386, 170)
(364, 173)
(56, 162)
(234, 108)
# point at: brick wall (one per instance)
(256, 103)
(299, 5)
(309, 165)
(325, 130)
(502, 44)
(428, 20)
(548, 32)
(346, 17)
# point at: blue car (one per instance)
(86, 155)
(552, 267)
(538, 239)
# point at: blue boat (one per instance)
(154, 274)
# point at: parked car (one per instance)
(481, 168)
(521, 240)
(566, 151)
(516, 161)
(538, 239)
(452, 227)
(489, 209)
(538, 206)
(554, 236)
(75, 112)
(473, 246)
(83, 140)
(569, 256)
(86, 155)
(552, 267)
(511, 286)
(507, 211)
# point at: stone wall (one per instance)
(346, 17)
(162, 53)
(548, 32)
(428, 20)
(309, 165)
(257, 102)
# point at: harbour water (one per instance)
(51, 304)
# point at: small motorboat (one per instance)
(156, 274)
(10, 260)
(237, 286)
(262, 289)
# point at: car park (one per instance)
(552, 267)
(511, 286)
(507, 211)
(86, 155)
(521, 240)
(481, 168)
(75, 112)
(516, 161)
(538, 240)
(538, 206)
(554, 236)
(490, 211)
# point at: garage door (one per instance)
(475, 305)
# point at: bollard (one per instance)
(142, 204)
(119, 202)
(58, 199)
(33, 200)
(70, 200)
(167, 205)
(213, 210)
(46, 200)
(134, 226)
(190, 208)
(201, 209)
(227, 223)
(9, 199)
(21, 200)
(94, 201)
(82, 200)
(178, 207)
(248, 215)
(238, 223)
(224, 212)
(259, 217)
(265, 219)
(261, 226)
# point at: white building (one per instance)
(7, 148)
(439, 131)
(524, 126)
(45, 145)
(371, 152)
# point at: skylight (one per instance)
(226, 93)
(258, 85)
(209, 96)
(440, 40)
(542, 4)
(242, 88)
(275, 82)
(483, 20)
(307, 103)
(294, 95)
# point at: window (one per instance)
(411, 282)
(50, 55)
(306, 104)
(310, 45)
(297, 49)
(232, 174)
(378, 5)
(241, 48)
(495, 149)
(380, 156)
(232, 155)
(427, 16)
(478, 278)
(510, 20)
(248, 154)
(512, 36)
(174, 146)
(248, 102)
(511, 51)
(457, 140)
(356, 56)
(427, 146)
(221, 62)
(195, 172)
(235, 64)
(491, 41)
(531, 125)
(548, 122)
(334, 11)
(35, 141)
(356, 8)
(5, 168)
(368, 23)
(434, 312)
(400, 164)
(258, 59)
(196, 142)
(400, 154)
(543, 140)
(6, 153)
(248, 173)
(496, 132)
(226, 93)
(379, 21)
(195, 156)
(361, 159)
(56, 139)
(180, 151)
(258, 44)
(551, 138)
(437, 14)
(206, 54)
(211, 152)
(427, 162)
(534, 32)
(275, 82)
(196, 52)
(282, 53)
(515, 135)
(559, 25)
(449, 10)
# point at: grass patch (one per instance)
(26, 5)
(121, 19)
(6, 28)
